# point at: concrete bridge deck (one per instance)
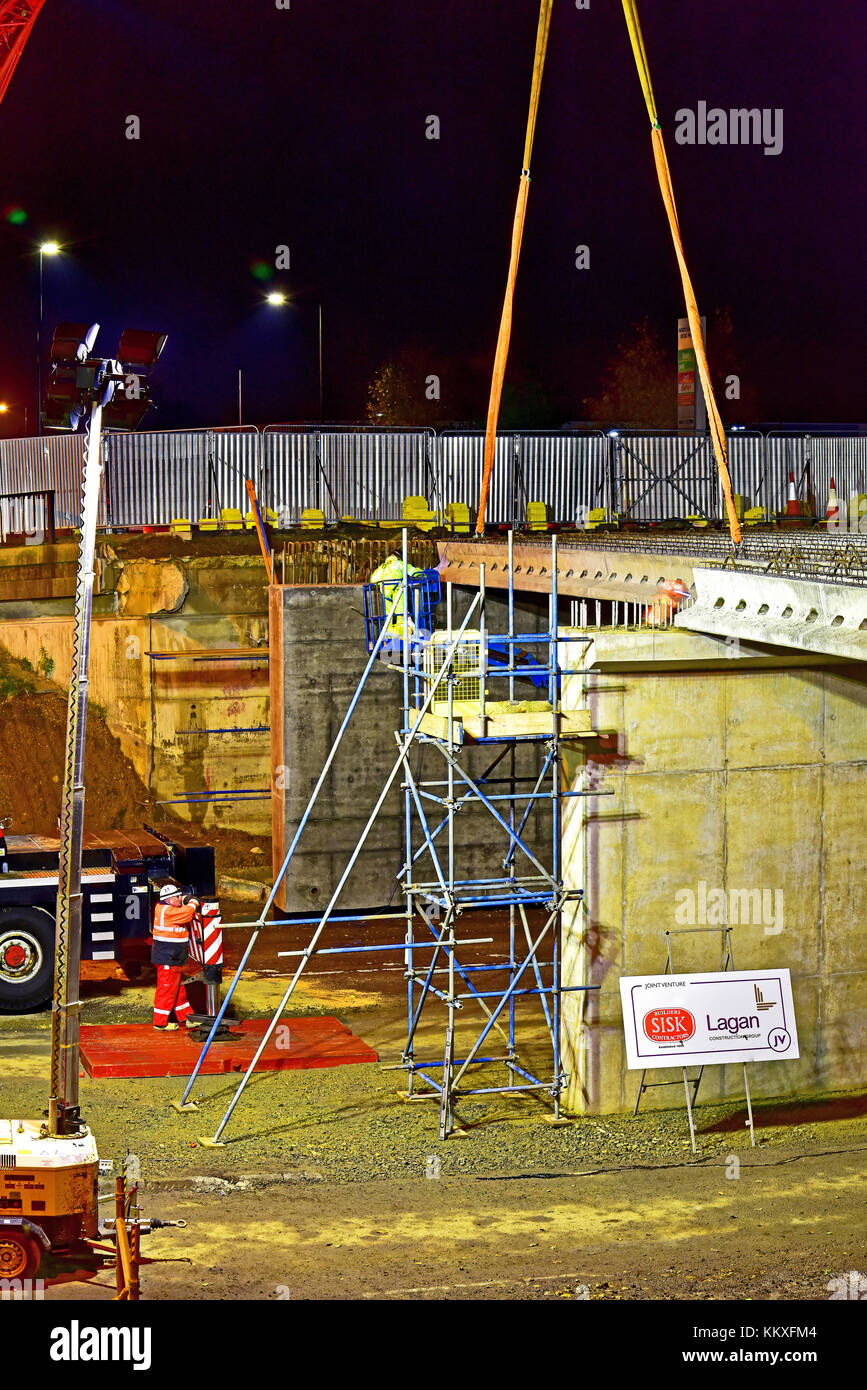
(799, 589)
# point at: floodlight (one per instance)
(139, 347)
(275, 297)
(79, 381)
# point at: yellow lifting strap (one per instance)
(663, 173)
(502, 352)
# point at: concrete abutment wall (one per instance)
(738, 791)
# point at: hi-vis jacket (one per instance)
(388, 575)
(171, 933)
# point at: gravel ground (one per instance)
(348, 1124)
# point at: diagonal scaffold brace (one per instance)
(184, 1103)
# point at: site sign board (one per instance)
(717, 1017)
(691, 411)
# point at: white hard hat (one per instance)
(170, 890)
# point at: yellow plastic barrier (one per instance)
(416, 511)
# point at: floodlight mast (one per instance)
(64, 1111)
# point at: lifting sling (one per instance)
(663, 173)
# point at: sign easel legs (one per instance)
(727, 964)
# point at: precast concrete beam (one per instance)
(582, 572)
(802, 614)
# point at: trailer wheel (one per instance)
(26, 959)
(20, 1254)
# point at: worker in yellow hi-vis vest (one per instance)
(389, 575)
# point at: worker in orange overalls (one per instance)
(173, 917)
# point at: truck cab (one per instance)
(120, 869)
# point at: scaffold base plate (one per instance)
(126, 1049)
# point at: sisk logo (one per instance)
(669, 1024)
(77, 1343)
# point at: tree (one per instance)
(407, 390)
(639, 384)
(389, 396)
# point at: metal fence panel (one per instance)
(747, 464)
(54, 461)
(288, 472)
(360, 473)
(655, 476)
(153, 478)
(460, 460)
(566, 471)
(366, 473)
(814, 460)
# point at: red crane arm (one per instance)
(17, 18)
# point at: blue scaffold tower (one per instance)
(497, 758)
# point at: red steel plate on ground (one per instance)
(135, 1049)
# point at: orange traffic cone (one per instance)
(793, 506)
(832, 512)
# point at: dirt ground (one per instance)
(789, 1226)
(327, 1189)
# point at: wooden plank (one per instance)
(438, 727)
(572, 724)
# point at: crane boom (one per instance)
(17, 18)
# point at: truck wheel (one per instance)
(26, 959)
(20, 1254)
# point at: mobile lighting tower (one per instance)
(49, 1171)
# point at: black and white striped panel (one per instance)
(99, 918)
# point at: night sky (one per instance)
(306, 127)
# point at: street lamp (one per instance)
(276, 297)
(47, 248)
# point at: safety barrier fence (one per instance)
(362, 473)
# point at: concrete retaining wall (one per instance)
(161, 711)
(317, 657)
(736, 768)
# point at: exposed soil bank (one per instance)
(32, 745)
